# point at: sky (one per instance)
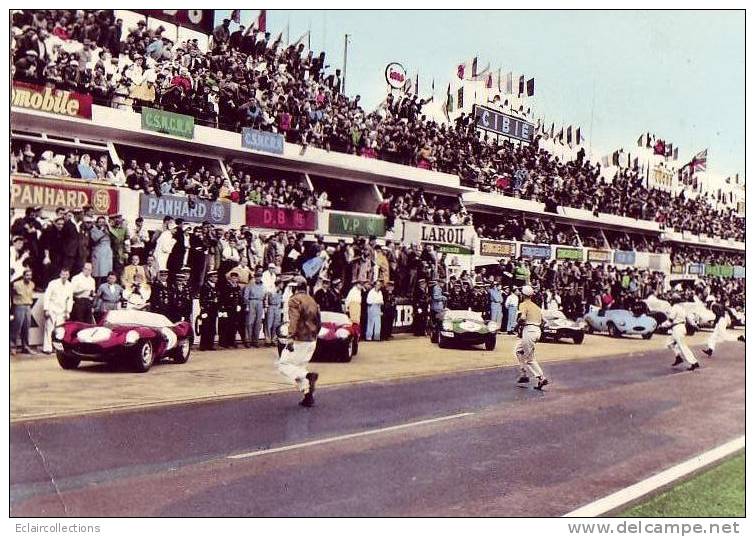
(617, 74)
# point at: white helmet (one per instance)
(527, 290)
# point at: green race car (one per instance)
(463, 328)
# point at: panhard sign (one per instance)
(167, 123)
(269, 142)
(395, 75)
(445, 238)
(572, 254)
(503, 124)
(48, 99)
(351, 224)
(497, 248)
(621, 257)
(283, 219)
(539, 251)
(51, 194)
(601, 256)
(190, 210)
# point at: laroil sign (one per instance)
(445, 238)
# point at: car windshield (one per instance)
(334, 317)
(136, 318)
(457, 315)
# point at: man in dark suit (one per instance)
(70, 238)
(178, 253)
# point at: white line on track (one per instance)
(633, 492)
(348, 436)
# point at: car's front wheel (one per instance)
(347, 351)
(578, 338)
(490, 343)
(647, 336)
(67, 361)
(144, 356)
(442, 342)
(183, 351)
(613, 331)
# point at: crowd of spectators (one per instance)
(47, 160)
(249, 79)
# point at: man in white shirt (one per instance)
(374, 311)
(354, 303)
(677, 320)
(269, 277)
(83, 293)
(512, 306)
(164, 245)
(57, 304)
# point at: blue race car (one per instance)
(620, 322)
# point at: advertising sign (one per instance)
(53, 101)
(190, 210)
(677, 269)
(539, 251)
(738, 272)
(167, 123)
(694, 268)
(723, 271)
(269, 142)
(446, 238)
(283, 219)
(51, 194)
(624, 258)
(395, 75)
(352, 224)
(497, 248)
(599, 256)
(572, 254)
(503, 124)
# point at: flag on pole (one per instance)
(460, 70)
(568, 136)
(474, 67)
(675, 155)
(499, 80)
(579, 136)
(460, 98)
(482, 74)
(553, 128)
(489, 83)
(647, 140)
(521, 85)
(699, 162)
(510, 83)
(530, 87)
(236, 16)
(262, 21)
(301, 38)
(416, 83)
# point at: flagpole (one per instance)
(592, 116)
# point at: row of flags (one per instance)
(570, 135)
(699, 163)
(504, 84)
(260, 23)
(659, 146)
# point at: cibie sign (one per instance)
(395, 75)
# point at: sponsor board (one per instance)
(572, 254)
(395, 75)
(268, 142)
(493, 248)
(448, 238)
(283, 219)
(539, 251)
(190, 210)
(167, 123)
(51, 100)
(677, 269)
(695, 268)
(621, 257)
(503, 124)
(51, 194)
(601, 256)
(351, 224)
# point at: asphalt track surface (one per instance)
(603, 424)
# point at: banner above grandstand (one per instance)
(282, 219)
(269, 142)
(493, 248)
(195, 210)
(53, 101)
(445, 238)
(50, 194)
(168, 123)
(504, 124)
(201, 20)
(355, 224)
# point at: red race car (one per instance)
(139, 338)
(338, 339)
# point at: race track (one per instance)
(465, 443)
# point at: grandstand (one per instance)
(162, 115)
